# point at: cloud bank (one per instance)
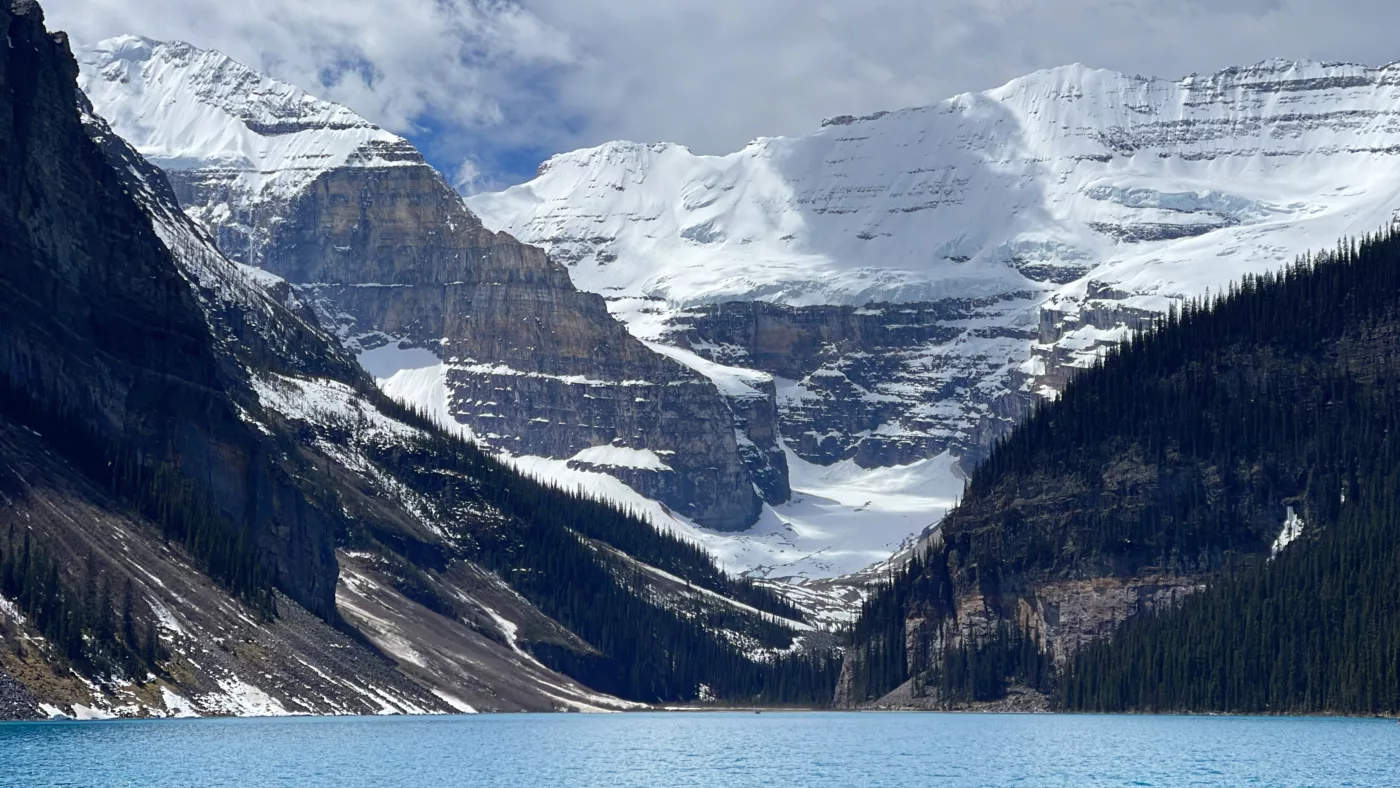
(488, 88)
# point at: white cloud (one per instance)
(457, 64)
(714, 73)
(482, 80)
(467, 176)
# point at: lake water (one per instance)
(709, 749)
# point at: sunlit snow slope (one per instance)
(186, 108)
(1068, 175)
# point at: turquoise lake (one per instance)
(706, 749)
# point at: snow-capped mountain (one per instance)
(1059, 177)
(913, 277)
(541, 369)
(203, 117)
(475, 326)
(871, 301)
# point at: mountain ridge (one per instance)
(1030, 96)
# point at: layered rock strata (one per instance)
(387, 254)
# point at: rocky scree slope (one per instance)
(1243, 447)
(392, 261)
(913, 279)
(206, 507)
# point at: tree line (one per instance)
(86, 625)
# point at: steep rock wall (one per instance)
(885, 384)
(385, 251)
(534, 366)
(102, 325)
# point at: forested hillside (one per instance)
(1172, 465)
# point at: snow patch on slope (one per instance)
(321, 401)
(1292, 529)
(238, 698)
(11, 611)
(426, 389)
(608, 456)
(177, 705)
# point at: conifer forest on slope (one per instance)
(1283, 392)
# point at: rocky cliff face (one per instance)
(883, 384)
(534, 366)
(1060, 616)
(389, 257)
(108, 327)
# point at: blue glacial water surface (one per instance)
(706, 749)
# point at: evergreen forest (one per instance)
(1181, 454)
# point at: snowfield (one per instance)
(1160, 188)
(186, 108)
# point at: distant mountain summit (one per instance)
(1057, 177)
(229, 137)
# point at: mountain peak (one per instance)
(624, 154)
(217, 80)
(134, 47)
(937, 195)
(183, 107)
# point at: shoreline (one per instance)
(755, 710)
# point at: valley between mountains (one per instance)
(994, 403)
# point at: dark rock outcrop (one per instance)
(884, 384)
(536, 366)
(100, 323)
(16, 701)
(756, 422)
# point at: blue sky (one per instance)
(490, 158)
(490, 88)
